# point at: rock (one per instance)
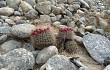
(22, 30)
(10, 45)
(13, 4)
(25, 6)
(39, 1)
(3, 69)
(107, 67)
(5, 29)
(68, 13)
(71, 24)
(31, 14)
(84, 4)
(31, 2)
(71, 1)
(97, 46)
(10, 22)
(90, 28)
(17, 13)
(78, 39)
(2, 4)
(61, 1)
(59, 62)
(58, 17)
(58, 10)
(28, 47)
(42, 67)
(44, 7)
(83, 68)
(20, 21)
(99, 31)
(19, 59)
(3, 38)
(45, 54)
(45, 18)
(53, 19)
(5, 11)
(4, 17)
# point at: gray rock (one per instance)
(19, 59)
(53, 19)
(59, 62)
(58, 17)
(83, 68)
(78, 39)
(3, 38)
(4, 17)
(22, 30)
(5, 24)
(99, 31)
(2, 4)
(45, 18)
(25, 6)
(84, 4)
(71, 1)
(31, 14)
(107, 67)
(10, 45)
(5, 29)
(39, 1)
(20, 22)
(13, 4)
(71, 24)
(28, 47)
(44, 7)
(61, 1)
(45, 54)
(68, 13)
(5, 11)
(97, 46)
(3, 69)
(31, 2)
(58, 10)
(17, 13)
(10, 22)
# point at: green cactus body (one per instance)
(42, 37)
(70, 46)
(65, 32)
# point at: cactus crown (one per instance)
(39, 30)
(63, 28)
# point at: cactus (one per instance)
(42, 37)
(70, 46)
(65, 32)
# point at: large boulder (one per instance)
(6, 11)
(59, 62)
(44, 7)
(22, 30)
(18, 59)
(10, 45)
(98, 46)
(45, 54)
(25, 6)
(13, 4)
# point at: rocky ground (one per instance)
(54, 35)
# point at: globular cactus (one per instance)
(65, 32)
(70, 46)
(42, 37)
